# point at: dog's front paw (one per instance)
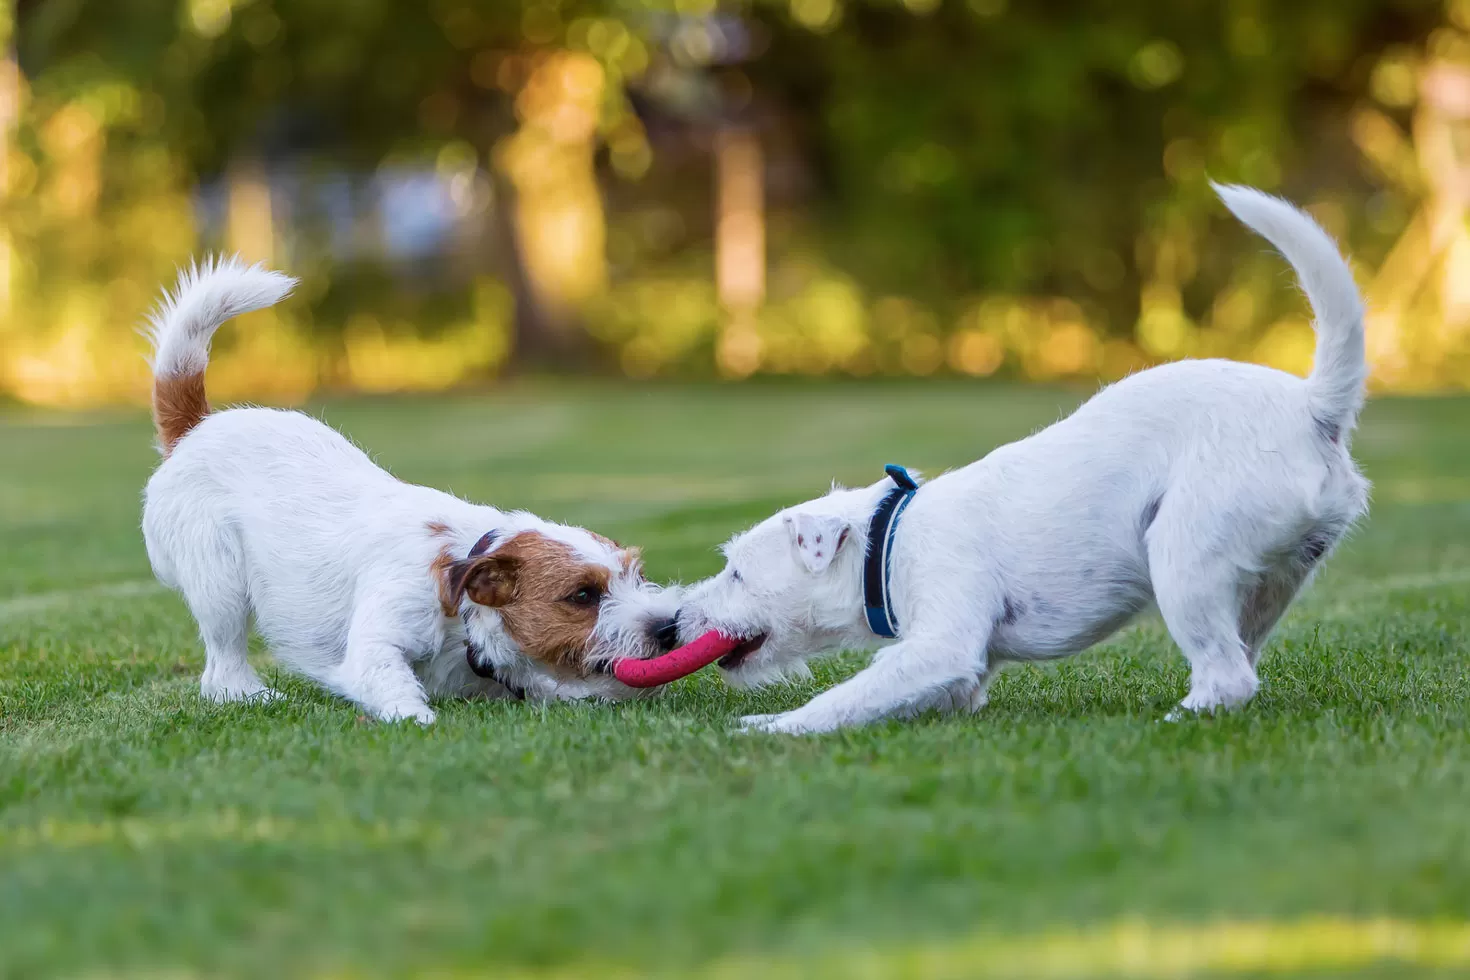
(787, 723)
(409, 711)
(755, 723)
(255, 692)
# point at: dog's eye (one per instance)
(587, 595)
(735, 576)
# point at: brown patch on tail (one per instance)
(179, 404)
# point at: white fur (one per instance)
(1211, 488)
(272, 515)
(208, 293)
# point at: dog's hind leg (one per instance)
(1273, 594)
(215, 589)
(1199, 595)
(1265, 604)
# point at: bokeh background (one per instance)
(723, 188)
(586, 220)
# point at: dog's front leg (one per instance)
(376, 674)
(905, 679)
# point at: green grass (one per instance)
(1064, 831)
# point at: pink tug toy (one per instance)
(675, 664)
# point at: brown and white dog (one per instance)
(385, 592)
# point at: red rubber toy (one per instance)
(675, 664)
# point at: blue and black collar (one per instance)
(877, 599)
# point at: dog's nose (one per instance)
(665, 633)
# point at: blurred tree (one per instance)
(1063, 147)
(1034, 175)
(366, 81)
(10, 93)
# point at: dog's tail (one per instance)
(1335, 386)
(180, 328)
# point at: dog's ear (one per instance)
(488, 580)
(817, 537)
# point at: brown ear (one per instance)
(489, 580)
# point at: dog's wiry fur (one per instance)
(1211, 488)
(355, 578)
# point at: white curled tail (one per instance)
(1340, 371)
(207, 294)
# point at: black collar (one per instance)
(877, 600)
(474, 655)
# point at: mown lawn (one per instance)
(1066, 831)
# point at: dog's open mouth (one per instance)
(737, 656)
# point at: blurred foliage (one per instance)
(967, 186)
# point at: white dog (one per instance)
(1211, 488)
(384, 592)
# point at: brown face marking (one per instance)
(532, 579)
(179, 404)
(438, 529)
